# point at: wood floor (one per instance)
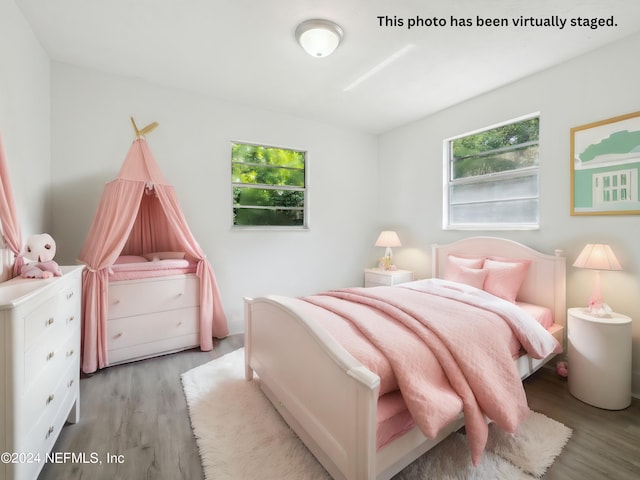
(134, 420)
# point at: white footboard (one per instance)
(324, 394)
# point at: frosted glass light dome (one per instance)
(319, 38)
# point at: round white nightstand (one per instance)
(599, 358)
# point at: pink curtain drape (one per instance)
(108, 233)
(213, 322)
(8, 215)
(138, 214)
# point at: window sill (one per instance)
(268, 228)
(491, 227)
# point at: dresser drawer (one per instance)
(41, 321)
(46, 393)
(374, 277)
(42, 436)
(49, 319)
(125, 332)
(153, 349)
(45, 361)
(128, 299)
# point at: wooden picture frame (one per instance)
(605, 167)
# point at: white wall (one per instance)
(25, 118)
(92, 133)
(597, 86)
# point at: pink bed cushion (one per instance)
(473, 277)
(505, 277)
(146, 269)
(146, 265)
(155, 256)
(542, 314)
(124, 259)
(392, 418)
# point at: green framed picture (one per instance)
(605, 167)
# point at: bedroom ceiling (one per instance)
(380, 77)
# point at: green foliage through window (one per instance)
(269, 186)
(509, 147)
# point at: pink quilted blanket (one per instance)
(467, 365)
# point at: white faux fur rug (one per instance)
(241, 436)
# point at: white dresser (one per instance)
(152, 316)
(40, 368)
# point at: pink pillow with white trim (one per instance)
(504, 278)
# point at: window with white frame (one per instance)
(492, 177)
(269, 186)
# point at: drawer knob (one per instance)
(49, 321)
(69, 295)
(50, 399)
(71, 318)
(49, 432)
(50, 355)
(118, 335)
(70, 353)
(70, 383)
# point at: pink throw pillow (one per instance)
(454, 263)
(122, 259)
(504, 277)
(473, 277)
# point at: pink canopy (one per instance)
(139, 213)
(8, 215)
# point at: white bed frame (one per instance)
(329, 399)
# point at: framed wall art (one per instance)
(605, 167)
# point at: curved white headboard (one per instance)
(545, 283)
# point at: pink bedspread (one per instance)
(467, 364)
(158, 268)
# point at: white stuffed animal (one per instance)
(40, 249)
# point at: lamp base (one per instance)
(599, 309)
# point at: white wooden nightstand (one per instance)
(375, 277)
(599, 358)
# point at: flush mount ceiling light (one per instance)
(319, 37)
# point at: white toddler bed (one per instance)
(330, 399)
(153, 307)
